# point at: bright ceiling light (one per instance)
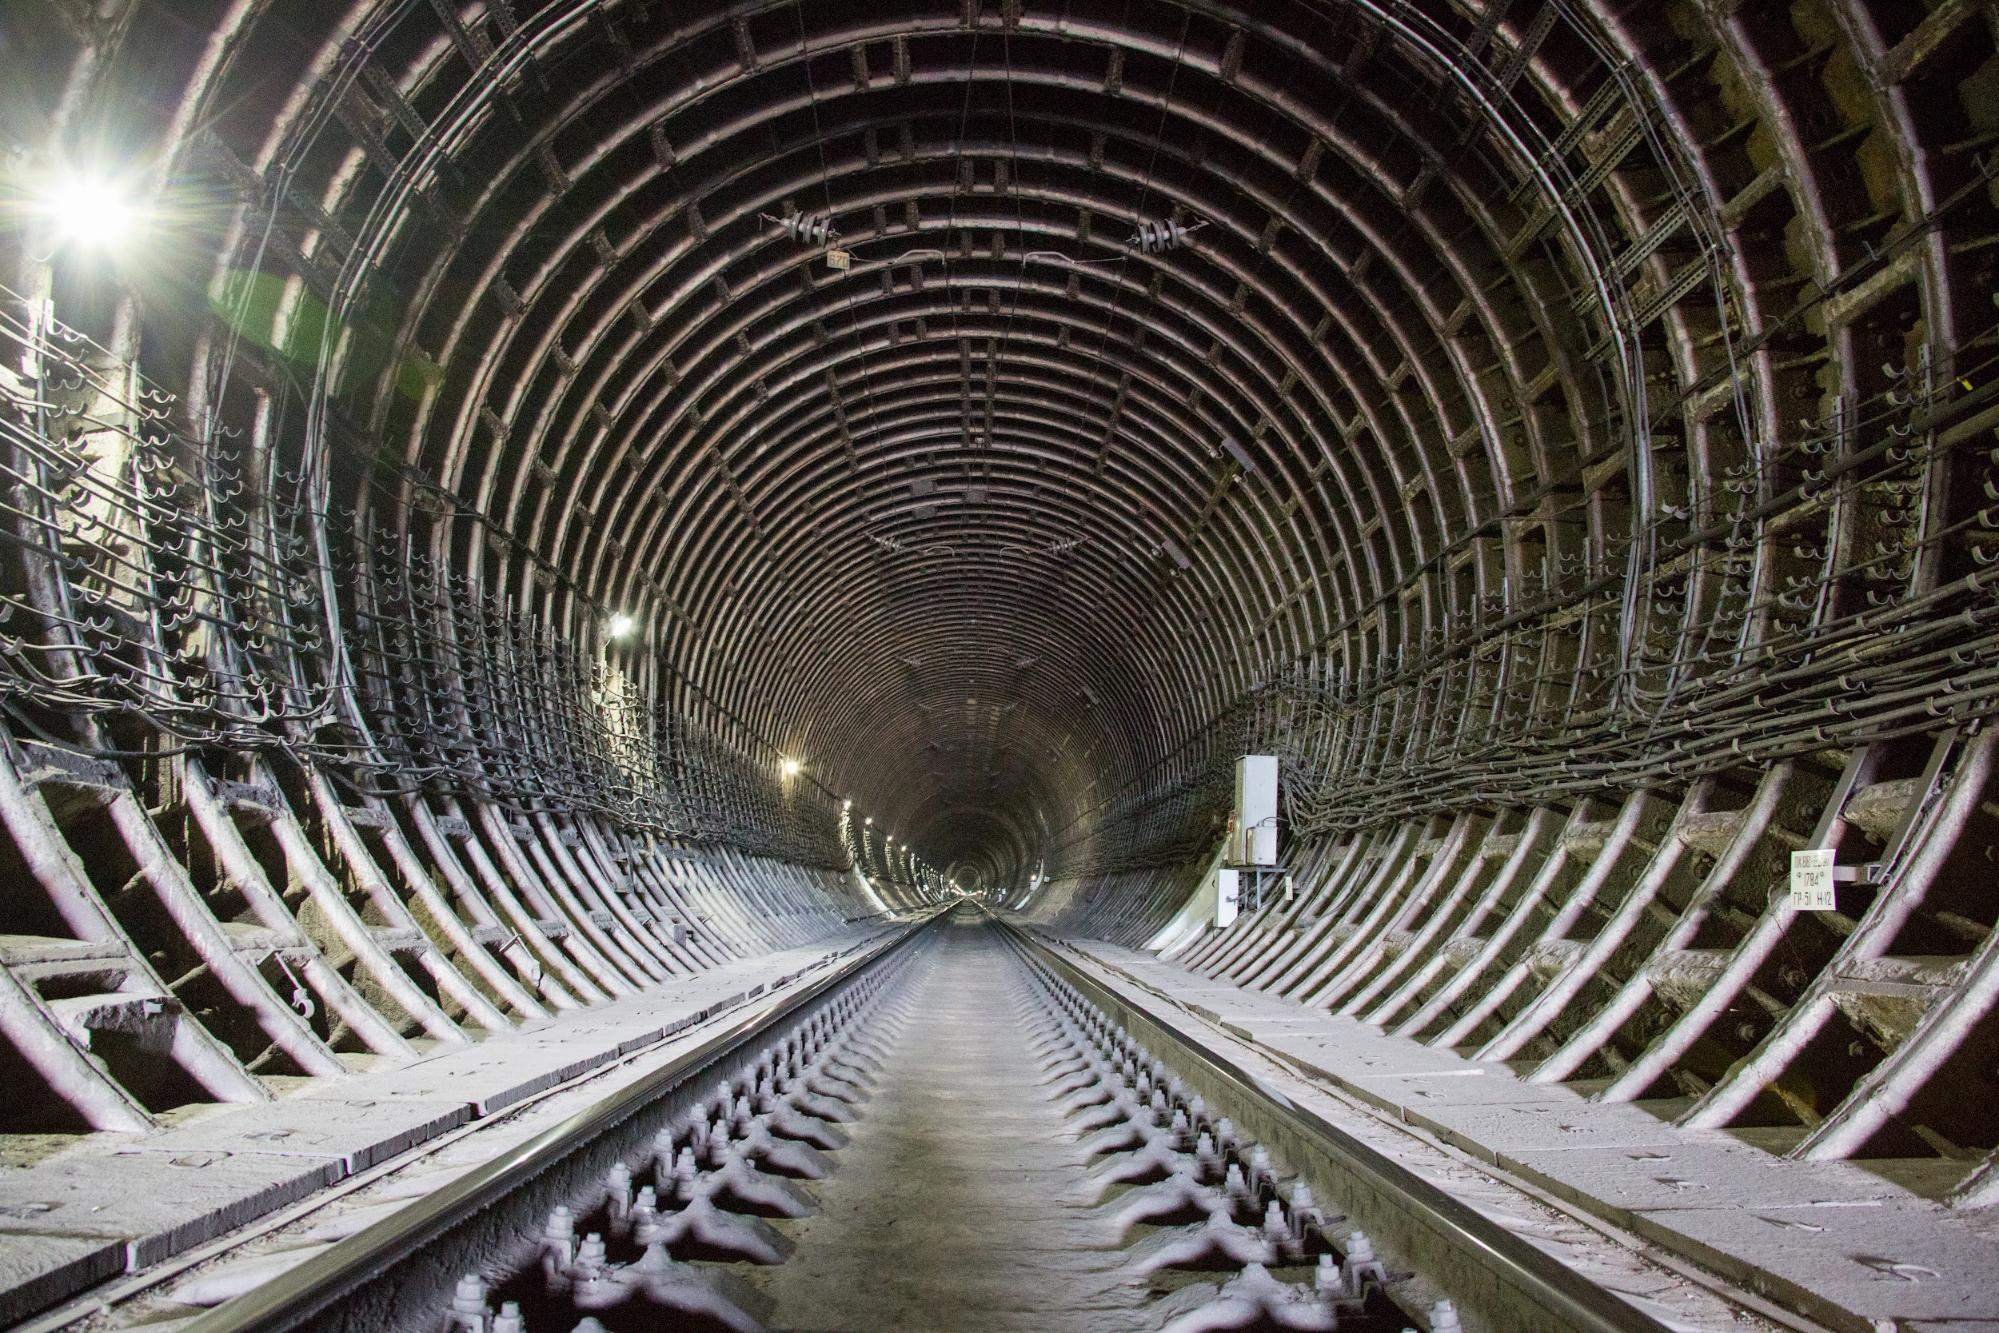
(90, 211)
(869, 821)
(621, 626)
(791, 768)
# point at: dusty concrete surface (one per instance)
(108, 1203)
(1826, 1238)
(971, 1182)
(958, 1203)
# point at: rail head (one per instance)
(1533, 1279)
(303, 1295)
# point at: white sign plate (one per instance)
(1811, 880)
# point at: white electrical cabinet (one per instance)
(1255, 839)
(1241, 890)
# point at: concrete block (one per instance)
(356, 1132)
(157, 1203)
(1894, 1260)
(1492, 1130)
(1619, 1183)
(487, 1077)
(36, 1271)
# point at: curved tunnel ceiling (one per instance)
(988, 520)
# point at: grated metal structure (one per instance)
(555, 500)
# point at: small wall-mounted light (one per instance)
(869, 821)
(620, 626)
(791, 768)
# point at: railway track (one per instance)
(962, 1129)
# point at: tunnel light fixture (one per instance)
(620, 626)
(89, 210)
(791, 768)
(869, 821)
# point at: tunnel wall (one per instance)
(271, 814)
(1536, 379)
(1645, 949)
(175, 938)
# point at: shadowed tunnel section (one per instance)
(529, 448)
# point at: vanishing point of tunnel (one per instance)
(999, 664)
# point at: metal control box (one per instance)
(1255, 838)
(1241, 890)
(1228, 896)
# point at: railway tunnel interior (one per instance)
(518, 507)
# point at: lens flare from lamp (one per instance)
(90, 211)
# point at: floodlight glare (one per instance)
(621, 626)
(791, 768)
(89, 211)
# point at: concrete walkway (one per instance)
(120, 1202)
(1828, 1238)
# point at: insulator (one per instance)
(1157, 237)
(807, 228)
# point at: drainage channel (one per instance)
(956, 1136)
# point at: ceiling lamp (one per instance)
(89, 211)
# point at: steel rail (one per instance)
(297, 1298)
(1559, 1296)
